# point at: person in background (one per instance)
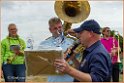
(95, 65)
(12, 51)
(111, 44)
(58, 40)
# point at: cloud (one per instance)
(106, 2)
(108, 13)
(7, 4)
(31, 17)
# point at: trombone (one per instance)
(119, 61)
(118, 49)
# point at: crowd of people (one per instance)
(99, 62)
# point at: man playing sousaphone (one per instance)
(58, 39)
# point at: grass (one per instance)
(121, 78)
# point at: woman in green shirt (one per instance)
(12, 51)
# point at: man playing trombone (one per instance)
(111, 44)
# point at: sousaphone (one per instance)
(72, 12)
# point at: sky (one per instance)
(31, 17)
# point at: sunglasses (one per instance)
(107, 31)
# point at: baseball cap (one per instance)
(89, 25)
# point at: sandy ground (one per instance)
(44, 78)
(34, 79)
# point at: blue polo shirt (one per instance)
(97, 62)
(67, 42)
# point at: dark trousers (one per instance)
(14, 73)
(115, 72)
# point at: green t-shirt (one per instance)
(7, 53)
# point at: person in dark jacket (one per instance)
(96, 63)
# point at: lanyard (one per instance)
(59, 40)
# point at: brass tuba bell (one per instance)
(72, 12)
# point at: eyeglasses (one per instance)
(107, 30)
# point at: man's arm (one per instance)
(99, 69)
(81, 76)
(63, 67)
